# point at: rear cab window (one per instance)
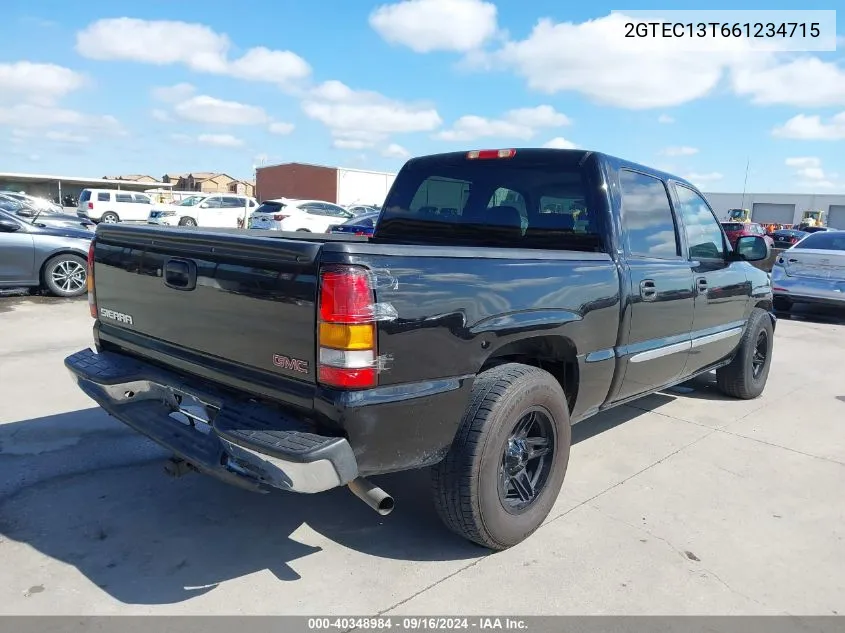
(824, 240)
(535, 199)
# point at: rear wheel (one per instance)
(66, 275)
(508, 460)
(110, 217)
(746, 376)
(187, 222)
(302, 230)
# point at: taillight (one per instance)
(92, 295)
(346, 329)
(491, 153)
(90, 205)
(279, 218)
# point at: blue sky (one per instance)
(97, 88)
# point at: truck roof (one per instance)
(572, 156)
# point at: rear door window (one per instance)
(141, 198)
(123, 197)
(521, 202)
(647, 217)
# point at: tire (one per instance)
(302, 231)
(744, 378)
(66, 275)
(782, 304)
(187, 222)
(109, 217)
(466, 485)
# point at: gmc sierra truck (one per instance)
(504, 296)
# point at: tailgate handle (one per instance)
(180, 274)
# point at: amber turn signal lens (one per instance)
(347, 336)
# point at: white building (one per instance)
(781, 208)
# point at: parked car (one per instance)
(113, 205)
(811, 271)
(40, 204)
(466, 342)
(359, 225)
(38, 256)
(785, 238)
(226, 210)
(284, 214)
(735, 230)
(43, 216)
(361, 209)
(814, 229)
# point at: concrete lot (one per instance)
(685, 503)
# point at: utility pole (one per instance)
(745, 184)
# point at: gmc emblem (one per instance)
(292, 364)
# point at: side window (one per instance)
(141, 199)
(704, 234)
(315, 209)
(251, 204)
(214, 202)
(85, 196)
(647, 216)
(123, 197)
(230, 202)
(336, 211)
(103, 197)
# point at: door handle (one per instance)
(648, 290)
(701, 282)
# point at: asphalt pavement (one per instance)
(686, 502)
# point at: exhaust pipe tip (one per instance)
(372, 495)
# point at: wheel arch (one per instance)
(556, 354)
(59, 251)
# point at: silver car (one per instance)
(37, 256)
(42, 214)
(811, 271)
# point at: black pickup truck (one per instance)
(504, 296)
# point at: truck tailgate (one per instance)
(248, 299)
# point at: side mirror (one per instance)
(752, 248)
(7, 226)
(203, 205)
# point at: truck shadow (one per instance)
(86, 491)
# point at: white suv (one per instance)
(285, 214)
(113, 205)
(226, 210)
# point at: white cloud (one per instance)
(43, 117)
(200, 48)
(161, 115)
(635, 73)
(811, 127)
(803, 82)
(173, 94)
(803, 161)
(41, 84)
(521, 123)
(560, 143)
(281, 128)
(360, 119)
(205, 109)
(808, 170)
(712, 176)
(65, 137)
(665, 118)
(431, 25)
(395, 151)
(220, 140)
(682, 150)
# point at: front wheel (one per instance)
(745, 377)
(66, 276)
(506, 465)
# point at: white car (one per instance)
(285, 214)
(226, 210)
(113, 205)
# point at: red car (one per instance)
(735, 230)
